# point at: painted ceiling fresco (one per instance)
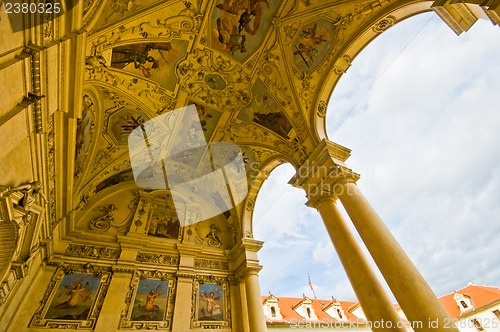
(254, 69)
(264, 110)
(238, 27)
(154, 61)
(312, 44)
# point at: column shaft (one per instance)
(412, 292)
(244, 306)
(256, 316)
(370, 293)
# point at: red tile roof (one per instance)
(286, 305)
(479, 295)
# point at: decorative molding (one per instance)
(103, 222)
(88, 251)
(321, 111)
(160, 259)
(209, 264)
(384, 24)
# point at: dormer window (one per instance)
(463, 302)
(272, 308)
(308, 310)
(340, 313)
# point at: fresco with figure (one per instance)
(312, 44)
(123, 176)
(85, 128)
(264, 110)
(211, 302)
(150, 301)
(239, 26)
(74, 297)
(154, 61)
(208, 119)
(164, 223)
(123, 121)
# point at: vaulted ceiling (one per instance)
(260, 73)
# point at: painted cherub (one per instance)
(76, 293)
(211, 304)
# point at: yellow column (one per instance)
(370, 293)
(412, 292)
(244, 306)
(235, 297)
(324, 174)
(256, 316)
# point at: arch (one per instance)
(256, 180)
(377, 24)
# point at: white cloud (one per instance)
(322, 253)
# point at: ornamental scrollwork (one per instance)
(87, 251)
(161, 259)
(209, 264)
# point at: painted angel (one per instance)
(76, 293)
(212, 306)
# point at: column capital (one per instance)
(322, 171)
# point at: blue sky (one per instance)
(419, 109)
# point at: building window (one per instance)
(339, 313)
(497, 313)
(308, 312)
(464, 304)
(477, 325)
(273, 312)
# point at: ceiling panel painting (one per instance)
(312, 44)
(84, 135)
(208, 119)
(239, 26)
(116, 10)
(264, 110)
(154, 61)
(123, 122)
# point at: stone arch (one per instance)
(257, 179)
(377, 24)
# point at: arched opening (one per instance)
(287, 230)
(421, 123)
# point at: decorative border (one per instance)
(39, 320)
(209, 264)
(126, 321)
(89, 251)
(159, 259)
(195, 323)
